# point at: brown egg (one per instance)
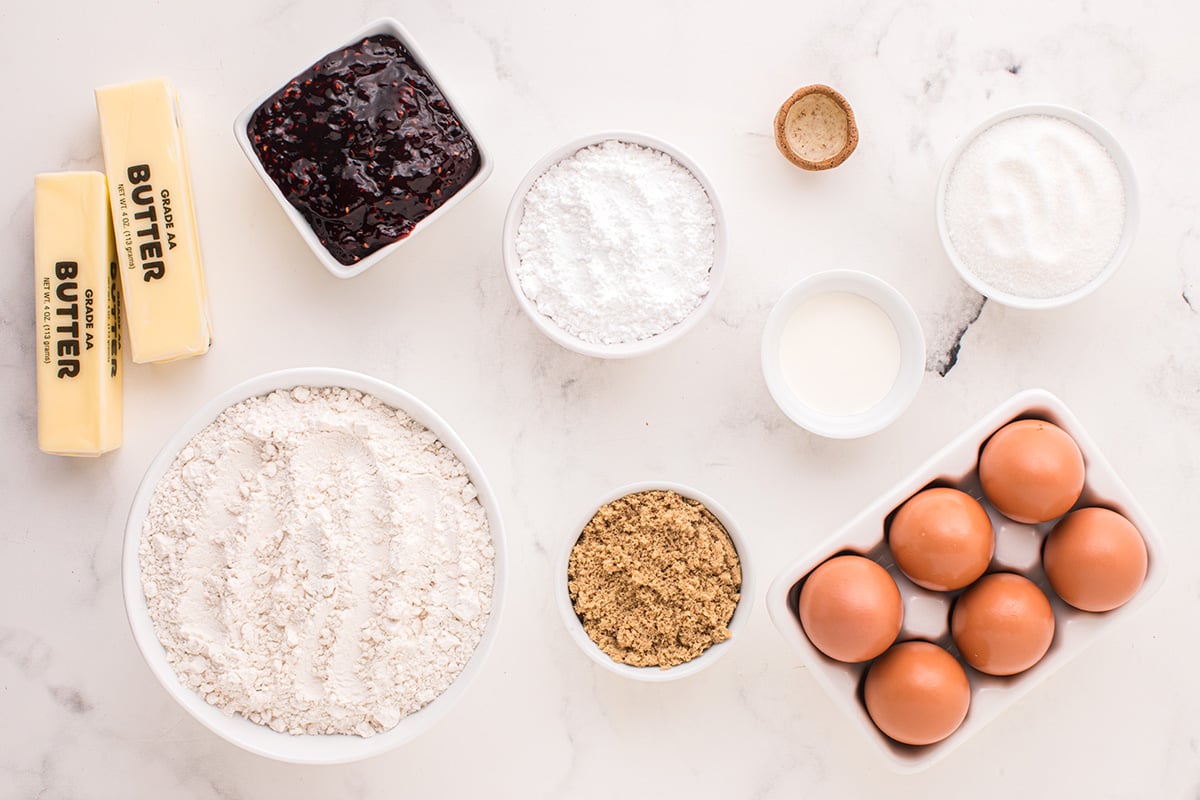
(1095, 559)
(942, 539)
(1031, 471)
(1002, 624)
(851, 609)
(917, 693)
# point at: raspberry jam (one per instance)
(364, 145)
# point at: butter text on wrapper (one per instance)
(79, 389)
(154, 221)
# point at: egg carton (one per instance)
(927, 613)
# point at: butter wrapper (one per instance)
(154, 221)
(78, 302)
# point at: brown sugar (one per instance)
(655, 579)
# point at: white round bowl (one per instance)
(912, 354)
(1132, 206)
(305, 749)
(516, 211)
(737, 623)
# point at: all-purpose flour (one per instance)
(616, 243)
(317, 562)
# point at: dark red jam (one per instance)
(364, 145)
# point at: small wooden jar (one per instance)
(815, 128)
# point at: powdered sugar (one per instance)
(317, 562)
(616, 243)
(1035, 206)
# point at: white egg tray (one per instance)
(926, 613)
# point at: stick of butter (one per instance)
(78, 316)
(149, 184)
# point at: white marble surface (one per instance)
(80, 714)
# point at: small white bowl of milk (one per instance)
(843, 354)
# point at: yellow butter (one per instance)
(158, 252)
(78, 316)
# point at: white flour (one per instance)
(317, 562)
(616, 243)
(1035, 206)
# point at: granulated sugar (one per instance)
(1035, 207)
(616, 243)
(317, 562)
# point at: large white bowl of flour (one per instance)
(387, 601)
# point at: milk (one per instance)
(839, 353)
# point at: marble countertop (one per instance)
(82, 715)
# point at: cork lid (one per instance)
(814, 128)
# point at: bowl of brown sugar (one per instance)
(653, 583)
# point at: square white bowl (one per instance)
(926, 613)
(336, 268)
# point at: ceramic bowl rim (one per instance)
(574, 627)
(912, 354)
(1128, 181)
(259, 739)
(515, 213)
